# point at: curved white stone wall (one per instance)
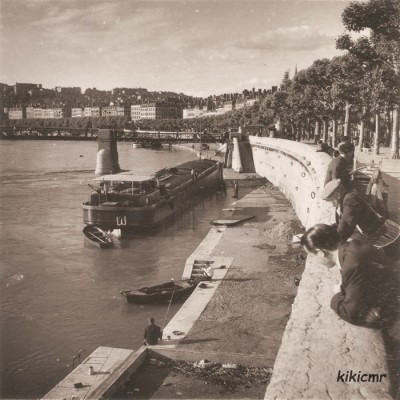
(317, 346)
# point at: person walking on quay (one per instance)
(354, 211)
(338, 167)
(235, 189)
(152, 333)
(366, 295)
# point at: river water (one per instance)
(59, 295)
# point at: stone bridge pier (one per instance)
(107, 153)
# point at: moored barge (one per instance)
(128, 201)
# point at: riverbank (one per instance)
(246, 315)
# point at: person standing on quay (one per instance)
(235, 189)
(152, 333)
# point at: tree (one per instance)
(318, 82)
(380, 53)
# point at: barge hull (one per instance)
(130, 218)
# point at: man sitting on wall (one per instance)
(339, 166)
(366, 295)
(354, 211)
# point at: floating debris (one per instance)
(228, 375)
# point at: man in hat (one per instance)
(338, 167)
(354, 211)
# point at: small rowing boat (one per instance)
(169, 291)
(97, 237)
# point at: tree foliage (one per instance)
(379, 54)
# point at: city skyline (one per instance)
(196, 47)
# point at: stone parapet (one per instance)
(321, 356)
(298, 171)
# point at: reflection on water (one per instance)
(59, 295)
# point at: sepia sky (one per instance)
(195, 47)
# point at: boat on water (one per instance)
(127, 201)
(169, 291)
(97, 237)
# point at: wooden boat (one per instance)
(97, 237)
(169, 291)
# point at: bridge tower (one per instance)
(107, 153)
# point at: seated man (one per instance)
(152, 333)
(208, 272)
(368, 288)
(354, 211)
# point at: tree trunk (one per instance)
(317, 131)
(324, 129)
(299, 131)
(334, 132)
(309, 130)
(376, 134)
(388, 133)
(346, 130)
(294, 131)
(394, 150)
(362, 130)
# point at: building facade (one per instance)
(77, 112)
(16, 113)
(113, 111)
(160, 110)
(92, 112)
(135, 112)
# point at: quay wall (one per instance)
(317, 346)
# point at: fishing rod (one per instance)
(169, 305)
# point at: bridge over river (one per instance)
(144, 138)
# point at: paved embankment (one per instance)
(248, 313)
(242, 316)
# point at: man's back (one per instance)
(152, 334)
(337, 169)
